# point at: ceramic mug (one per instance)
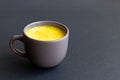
(42, 53)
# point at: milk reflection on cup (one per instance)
(43, 53)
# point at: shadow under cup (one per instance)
(43, 53)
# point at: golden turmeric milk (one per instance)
(45, 32)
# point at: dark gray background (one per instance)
(94, 46)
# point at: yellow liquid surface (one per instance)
(45, 33)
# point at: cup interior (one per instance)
(49, 23)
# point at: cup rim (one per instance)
(67, 30)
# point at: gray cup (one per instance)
(42, 53)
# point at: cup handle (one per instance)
(15, 50)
